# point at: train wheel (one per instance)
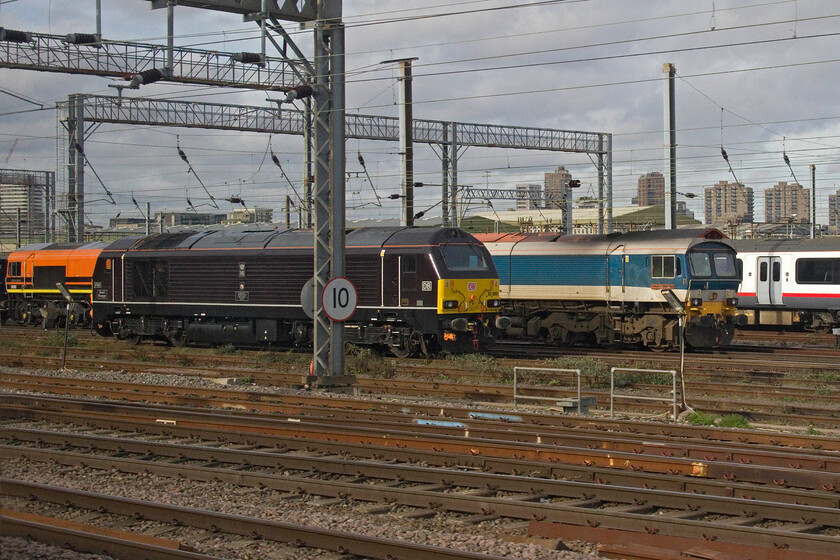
(177, 339)
(133, 339)
(399, 352)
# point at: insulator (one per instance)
(298, 92)
(146, 77)
(82, 39)
(248, 58)
(12, 36)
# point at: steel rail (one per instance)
(92, 542)
(487, 426)
(587, 513)
(52, 408)
(312, 537)
(276, 451)
(819, 416)
(530, 489)
(312, 405)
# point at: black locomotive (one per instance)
(419, 290)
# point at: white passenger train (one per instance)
(790, 282)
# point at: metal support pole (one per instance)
(453, 187)
(338, 183)
(288, 212)
(76, 168)
(444, 188)
(601, 184)
(406, 139)
(321, 129)
(99, 20)
(307, 163)
(18, 230)
(671, 147)
(566, 205)
(79, 218)
(148, 218)
(170, 39)
(609, 185)
(813, 201)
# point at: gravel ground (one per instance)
(441, 530)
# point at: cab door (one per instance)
(769, 281)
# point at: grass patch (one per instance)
(812, 431)
(182, 360)
(593, 372)
(483, 364)
(363, 361)
(734, 421)
(698, 418)
(57, 339)
(814, 375)
(226, 350)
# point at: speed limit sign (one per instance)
(339, 299)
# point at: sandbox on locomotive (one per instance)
(419, 290)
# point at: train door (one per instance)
(390, 279)
(769, 281)
(408, 281)
(615, 273)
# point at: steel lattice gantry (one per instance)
(448, 136)
(118, 59)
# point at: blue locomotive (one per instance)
(617, 289)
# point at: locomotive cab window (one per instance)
(725, 266)
(701, 264)
(13, 269)
(818, 271)
(664, 266)
(463, 258)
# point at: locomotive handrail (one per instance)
(516, 395)
(614, 396)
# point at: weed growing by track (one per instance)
(698, 418)
(483, 364)
(56, 338)
(363, 361)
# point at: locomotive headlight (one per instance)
(450, 304)
(732, 301)
(494, 303)
(696, 302)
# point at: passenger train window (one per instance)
(762, 272)
(777, 271)
(818, 271)
(701, 264)
(663, 266)
(739, 264)
(463, 257)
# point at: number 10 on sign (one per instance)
(339, 299)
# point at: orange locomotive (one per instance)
(32, 273)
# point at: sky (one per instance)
(756, 77)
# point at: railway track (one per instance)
(736, 496)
